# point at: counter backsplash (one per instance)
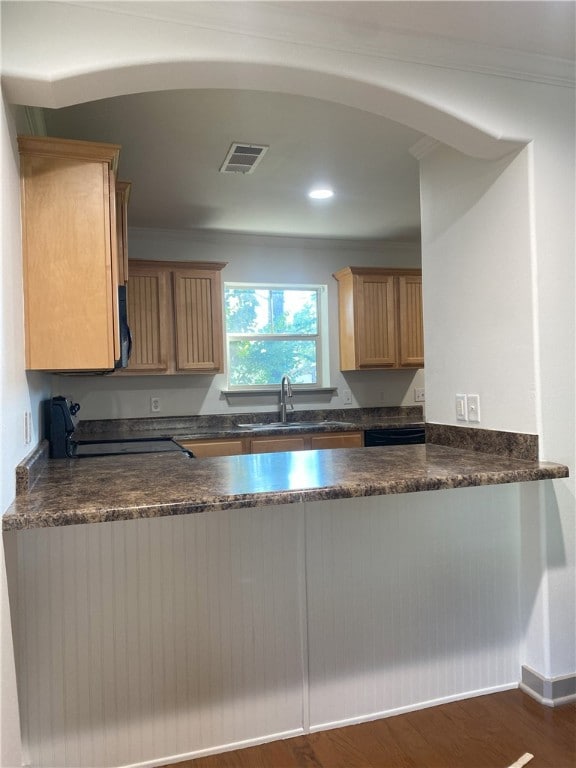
(164, 423)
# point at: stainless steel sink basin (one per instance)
(293, 424)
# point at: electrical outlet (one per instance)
(155, 405)
(27, 428)
(461, 408)
(474, 408)
(347, 397)
(419, 395)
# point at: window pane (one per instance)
(265, 362)
(271, 310)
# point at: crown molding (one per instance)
(296, 24)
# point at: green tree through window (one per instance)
(272, 331)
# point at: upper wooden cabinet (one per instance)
(380, 318)
(69, 244)
(175, 316)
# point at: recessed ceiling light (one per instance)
(320, 193)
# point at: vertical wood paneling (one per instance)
(147, 319)
(144, 639)
(410, 598)
(195, 326)
(376, 322)
(147, 639)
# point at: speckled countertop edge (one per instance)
(72, 492)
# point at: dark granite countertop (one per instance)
(76, 491)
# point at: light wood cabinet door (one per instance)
(337, 440)
(69, 254)
(380, 318)
(203, 449)
(375, 321)
(275, 444)
(148, 318)
(198, 320)
(410, 326)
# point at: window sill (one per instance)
(296, 390)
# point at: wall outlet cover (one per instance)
(461, 408)
(473, 408)
(419, 395)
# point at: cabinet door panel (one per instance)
(203, 449)
(198, 322)
(147, 310)
(411, 353)
(275, 444)
(67, 264)
(376, 322)
(337, 440)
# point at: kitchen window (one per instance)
(273, 330)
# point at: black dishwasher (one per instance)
(394, 436)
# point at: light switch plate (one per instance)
(474, 408)
(461, 408)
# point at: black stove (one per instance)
(86, 448)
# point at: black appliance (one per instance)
(394, 436)
(86, 448)
(58, 425)
(125, 335)
(59, 429)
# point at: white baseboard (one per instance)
(412, 707)
(550, 691)
(174, 759)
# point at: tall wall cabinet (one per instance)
(175, 316)
(380, 318)
(70, 254)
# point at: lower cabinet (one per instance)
(203, 449)
(276, 444)
(337, 440)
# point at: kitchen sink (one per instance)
(293, 424)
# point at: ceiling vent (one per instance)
(243, 158)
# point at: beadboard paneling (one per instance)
(413, 605)
(145, 639)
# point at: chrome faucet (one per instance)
(285, 393)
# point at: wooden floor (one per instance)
(485, 732)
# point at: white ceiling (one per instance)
(173, 143)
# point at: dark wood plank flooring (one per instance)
(484, 732)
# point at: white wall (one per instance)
(479, 334)
(19, 393)
(258, 259)
(498, 238)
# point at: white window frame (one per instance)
(322, 337)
